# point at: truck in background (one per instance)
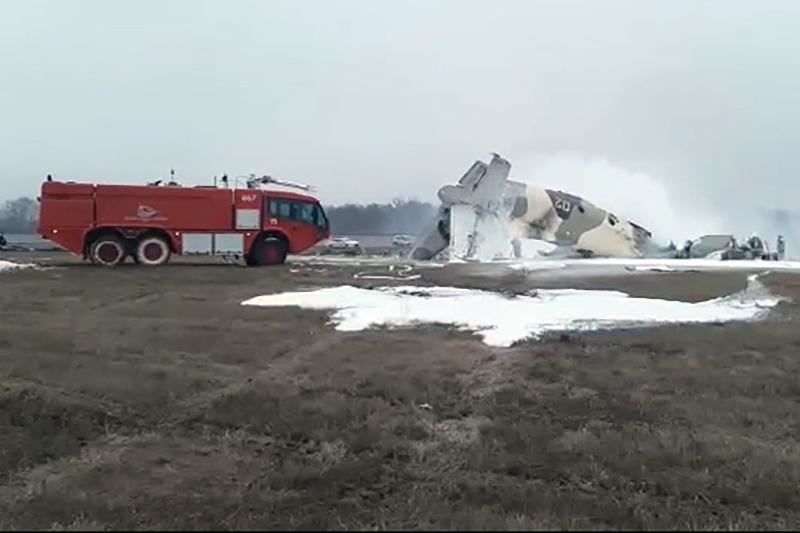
(107, 224)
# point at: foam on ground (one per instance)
(501, 320)
(361, 260)
(8, 265)
(664, 265)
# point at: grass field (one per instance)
(149, 398)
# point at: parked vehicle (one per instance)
(402, 241)
(343, 245)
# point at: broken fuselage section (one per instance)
(487, 217)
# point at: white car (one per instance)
(343, 245)
(402, 241)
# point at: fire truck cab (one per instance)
(107, 224)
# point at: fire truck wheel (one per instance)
(269, 251)
(108, 250)
(152, 251)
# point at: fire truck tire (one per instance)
(152, 251)
(268, 251)
(107, 250)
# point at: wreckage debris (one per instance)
(487, 217)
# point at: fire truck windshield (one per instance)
(319, 218)
(306, 212)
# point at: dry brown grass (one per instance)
(151, 399)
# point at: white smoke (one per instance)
(639, 197)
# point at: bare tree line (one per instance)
(400, 216)
(19, 215)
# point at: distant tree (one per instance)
(399, 216)
(19, 216)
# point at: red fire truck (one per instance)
(148, 223)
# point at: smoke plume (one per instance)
(637, 196)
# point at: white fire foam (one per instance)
(8, 265)
(503, 320)
(665, 265)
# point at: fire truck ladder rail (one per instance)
(252, 181)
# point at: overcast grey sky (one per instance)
(369, 99)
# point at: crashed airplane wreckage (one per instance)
(487, 217)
